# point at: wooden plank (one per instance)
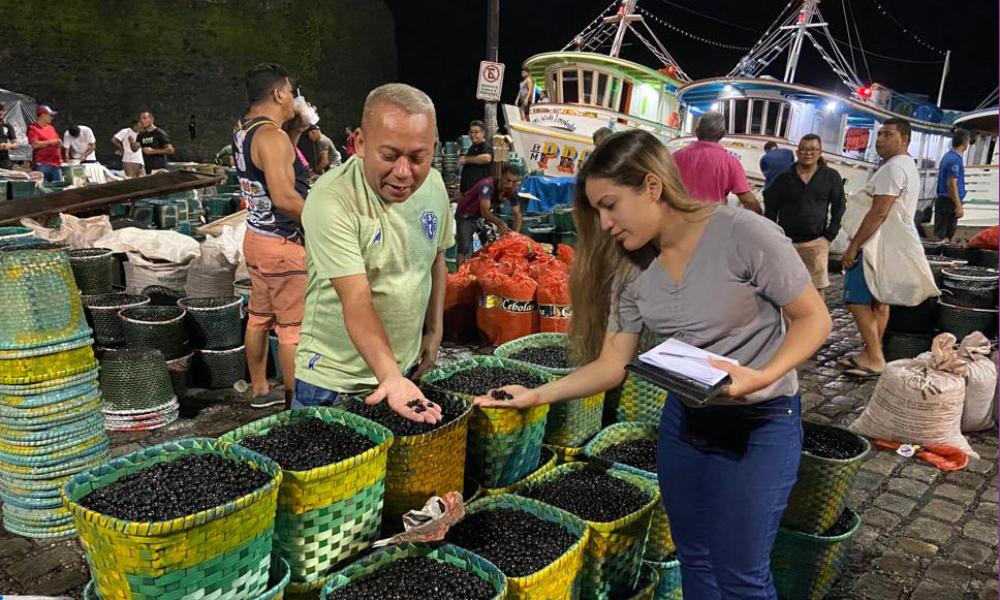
(97, 196)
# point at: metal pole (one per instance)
(944, 75)
(624, 12)
(492, 54)
(805, 17)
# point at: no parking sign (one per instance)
(490, 81)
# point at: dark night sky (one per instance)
(441, 42)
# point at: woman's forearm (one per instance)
(595, 377)
(804, 336)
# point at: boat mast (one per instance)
(803, 22)
(625, 16)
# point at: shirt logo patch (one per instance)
(377, 239)
(313, 360)
(429, 221)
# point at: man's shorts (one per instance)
(855, 287)
(945, 219)
(277, 285)
(815, 254)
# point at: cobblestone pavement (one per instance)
(926, 535)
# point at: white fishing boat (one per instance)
(760, 108)
(982, 178)
(588, 89)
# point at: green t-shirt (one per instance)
(350, 230)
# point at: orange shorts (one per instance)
(277, 284)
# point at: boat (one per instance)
(982, 179)
(760, 108)
(588, 90)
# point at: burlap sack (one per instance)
(980, 383)
(920, 402)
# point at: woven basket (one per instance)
(905, 345)
(567, 454)
(938, 263)
(547, 461)
(92, 269)
(669, 586)
(277, 582)
(640, 400)
(158, 327)
(504, 444)
(214, 323)
(444, 553)
(61, 360)
(102, 315)
(241, 288)
(805, 566)
(178, 370)
(562, 218)
(223, 552)
(979, 257)
(569, 423)
(35, 244)
(971, 287)
(160, 295)
(134, 380)
(614, 550)
(41, 305)
(961, 321)
(219, 369)
(822, 485)
(328, 514)
(161, 416)
(660, 543)
(15, 233)
(918, 319)
(645, 587)
(423, 465)
(559, 580)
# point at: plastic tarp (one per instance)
(549, 191)
(20, 113)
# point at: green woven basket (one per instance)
(277, 582)
(547, 461)
(58, 361)
(223, 552)
(504, 444)
(669, 586)
(822, 485)
(159, 327)
(214, 323)
(135, 380)
(562, 218)
(614, 551)
(805, 566)
(41, 305)
(640, 400)
(567, 454)
(219, 369)
(369, 565)
(328, 514)
(660, 543)
(102, 315)
(92, 269)
(179, 371)
(161, 295)
(559, 580)
(570, 423)
(645, 587)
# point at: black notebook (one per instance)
(683, 370)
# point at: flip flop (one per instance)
(860, 372)
(848, 362)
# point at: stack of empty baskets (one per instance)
(215, 326)
(50, 404)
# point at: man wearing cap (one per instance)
(46, 144)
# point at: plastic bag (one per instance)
(141, 273)
(490, 285)
(987, 239)
(554, 304)
(917, 401)
(431, 523)
(460, 298)
(565, 254)
(518, 315)
(78, 233)
(170, 246)
(980, 383)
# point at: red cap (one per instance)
(44, 109)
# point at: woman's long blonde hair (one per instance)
(602, 268)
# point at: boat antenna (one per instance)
(990, 101)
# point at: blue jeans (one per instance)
(725, 503)
(307, 394)
(52, 174)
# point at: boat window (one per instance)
(588, 87)
(602, 88)
(626, 97)
(570, 86)
(771, 119)
(756, 116)
(553, 87)
(739, 116)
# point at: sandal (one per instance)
(848, 362)
(860, 372)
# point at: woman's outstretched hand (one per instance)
(520, 397)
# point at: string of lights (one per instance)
(690, 35)
(907, 30)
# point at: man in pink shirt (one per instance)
(45, 144)
(709, 171)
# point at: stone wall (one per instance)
(99, 62)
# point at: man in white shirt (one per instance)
(128, 146)
(79, 143)
(897, 180)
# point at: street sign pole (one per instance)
(492, 55)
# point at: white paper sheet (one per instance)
(687, 360)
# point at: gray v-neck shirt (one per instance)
(729, 300)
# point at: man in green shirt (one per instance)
(376, 230)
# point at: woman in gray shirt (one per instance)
(718, 278)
